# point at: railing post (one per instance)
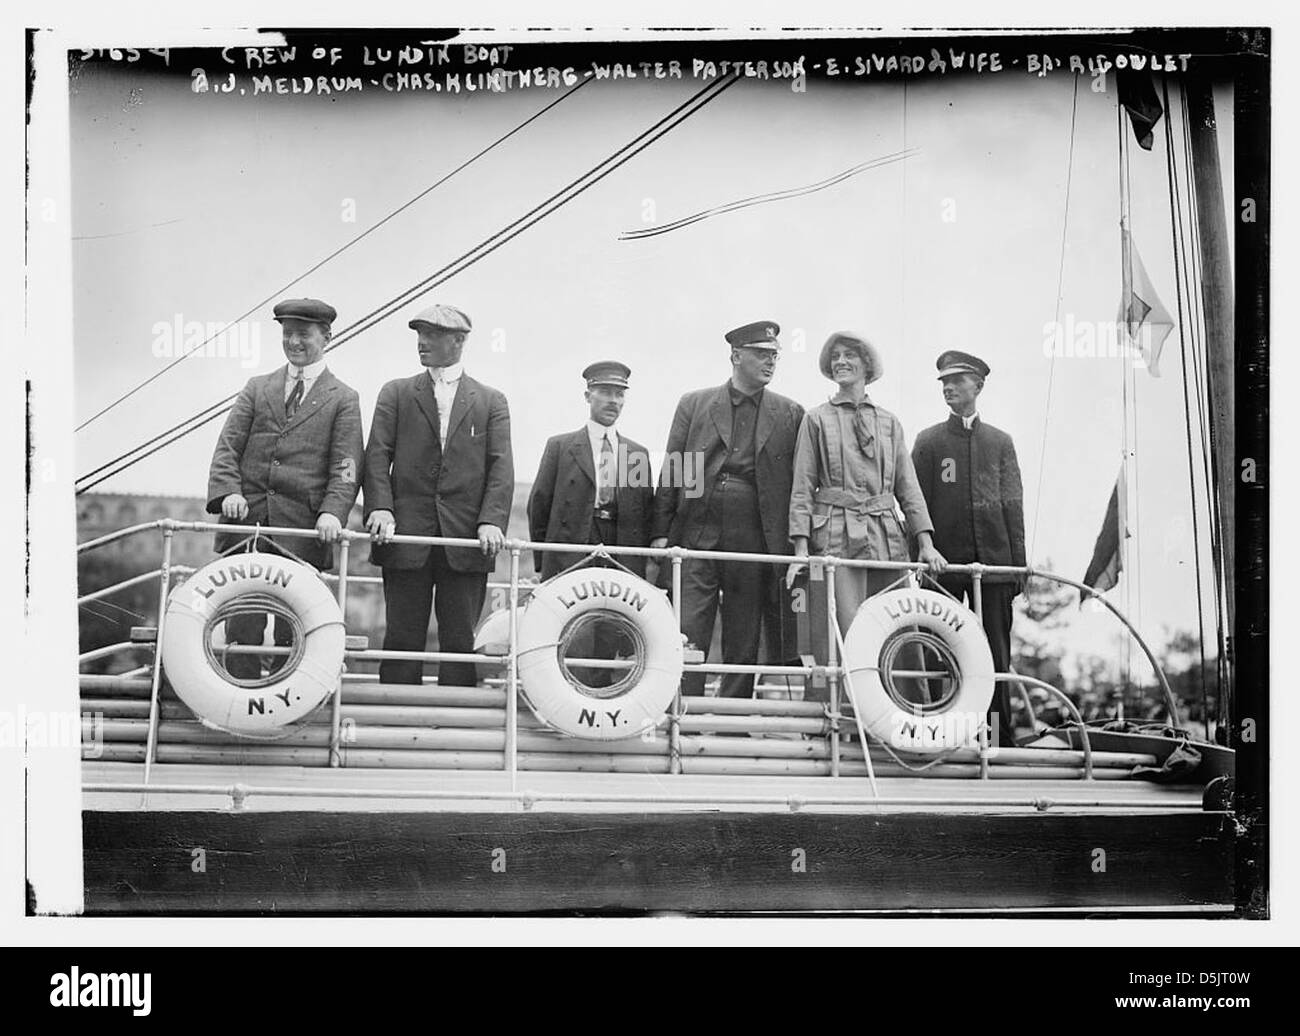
(512, 678)
(675, 719)
(164, 585)
(832, 678)
(977, 592)
(336, 710)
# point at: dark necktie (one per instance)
(295, 397)
(605, 492)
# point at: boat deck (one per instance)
(116, 786)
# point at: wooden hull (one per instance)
(323, 856)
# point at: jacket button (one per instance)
(275, 461)
(270, 492)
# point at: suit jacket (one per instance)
(971, 483)
(701, 427)
(434, 490)
(564, 494)
(291, 470)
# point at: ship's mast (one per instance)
(1215, 278)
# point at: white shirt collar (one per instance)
(450, 375)
(597, 431)
(969, 422)
(309, 373)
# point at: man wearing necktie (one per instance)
(594, 486)
(289, 455)
(741, 437)
(438, 463)
(970, 478)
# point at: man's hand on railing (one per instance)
(490, 539)
(381, 525)
(659, 542)
(234, 506)
(328, 528)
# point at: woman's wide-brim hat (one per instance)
(869, 353)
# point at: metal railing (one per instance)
(833, 672)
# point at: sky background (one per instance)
(199, 206)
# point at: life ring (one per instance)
(557, 615)
(883, 625)
(266, 708)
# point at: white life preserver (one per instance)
(255, 709)
(637, 700)
(880, 627)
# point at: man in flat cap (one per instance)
(737, 441)
(594, 486)
(438, 463)
(289, 455)
(971, 482)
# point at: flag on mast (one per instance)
(1143, 319)
(1137, 93)
(1108, 552)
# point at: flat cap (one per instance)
(956, 362)
(448, 318)
(315, 310)
(607, 372)
(761, 334)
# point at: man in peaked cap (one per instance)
(725, 485)
(438, 463)
(289, 455)
(594, 485)
(971, 482)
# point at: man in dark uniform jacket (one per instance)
(971, 481)
(438, 463)
(289, 455)
(594, 484)
(725, 485)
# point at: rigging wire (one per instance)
(1177, 229)
(337, 252)
(1126, 274)
(1060, 281)
(539, 212)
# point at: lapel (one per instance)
(580, 448)
(320, 389)
(460, 406)
(720, 409)
(767, 416)
(424, 398)
(275, 394)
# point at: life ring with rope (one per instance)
(888, 629)
(561, 616)
(266, 707)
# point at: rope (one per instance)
(1176, 227)
(761, 199)
(1060, 280)
(539, 212)
(336, 253)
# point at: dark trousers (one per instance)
(745, 589)
(995, 604)
(408, 601)
(250, 628)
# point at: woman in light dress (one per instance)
(853, 475)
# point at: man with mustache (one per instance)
(742, 436)
(594, 486)
(970, 478)
(438, 463)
